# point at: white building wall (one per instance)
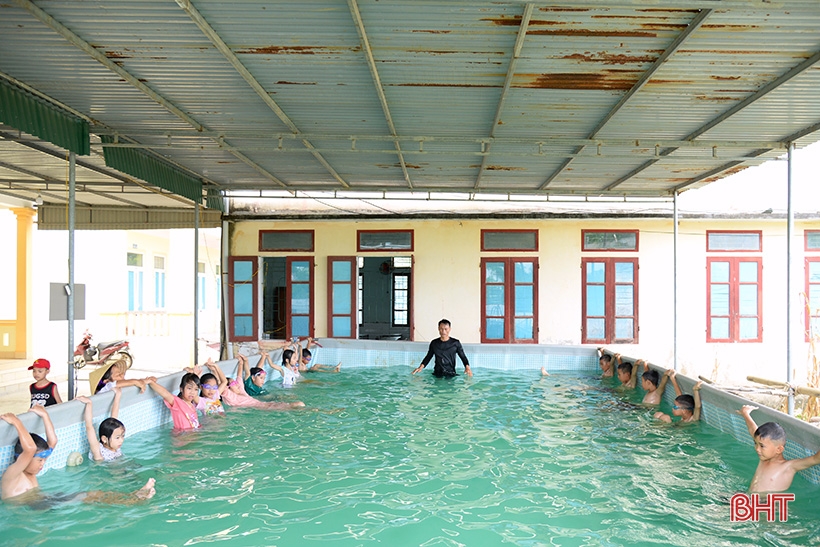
(446, 276)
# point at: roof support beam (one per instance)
(90, 166)
(694, 25)
(231, 57)
(508, 79)
(759, 94)
(371, 63)
(790, 138)
(95, 54)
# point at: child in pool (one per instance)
(19, 482)
(235, 395)
(305, 356)
(652, 383)
(212, 386)
(115, 377)
(607, 363)
(628, 374)
(112, 431)
(289, 368)
(687, 407)
(182, 406)
(254, 377)
(774, 473)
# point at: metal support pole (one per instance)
(789, 318)
(675, 282)
(225, 288)
(72, 372)
(196, 282)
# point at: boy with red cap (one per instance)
(43, 392)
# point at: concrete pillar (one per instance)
(23, 327)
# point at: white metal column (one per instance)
(789, 297)
(72, 372)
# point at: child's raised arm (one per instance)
(162, 392)
(91, 435)
(805, 463)
(266, 357)
(115, 404)
(746, 412)
(664, 379)
(696, 392)
(51, 435)
(18, 466)
(216, 370)
(633, 379)
(671, 373)
(243, 370)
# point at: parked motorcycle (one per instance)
(102, 353)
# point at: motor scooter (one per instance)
(102, 353)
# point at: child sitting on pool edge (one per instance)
(687, 407)
(112, 431)
(774, 473)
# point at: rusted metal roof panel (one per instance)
(451, 96)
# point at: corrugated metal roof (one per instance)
(598, 97)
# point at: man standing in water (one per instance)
(445, 349)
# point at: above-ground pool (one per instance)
(503, 458)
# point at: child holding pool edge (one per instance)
(687, 407)
(182, 406)
(212, 387)
(654, 385)
(628, 374)
(31, 452)
(235, 395)
(774, 473)
(112, 431)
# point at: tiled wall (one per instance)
(141, 412)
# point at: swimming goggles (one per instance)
(44, 454)
(210, 386)
(261, 373)
(307, 359)
(233, 383)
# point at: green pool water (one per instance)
(504, 458)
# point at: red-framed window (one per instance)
(286, 241)
(734, 305)
(509, 240)
(610, 300)
(381, 241)
(812, 297)
(299, 315)
(509, 300)
(243, 303)
(609, 240)
(811, 239)
(342, 308)
(734, 241)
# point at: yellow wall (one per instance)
(446, 277)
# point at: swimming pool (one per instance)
(504, 458)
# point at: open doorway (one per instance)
(385, 297)
(274, 298)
